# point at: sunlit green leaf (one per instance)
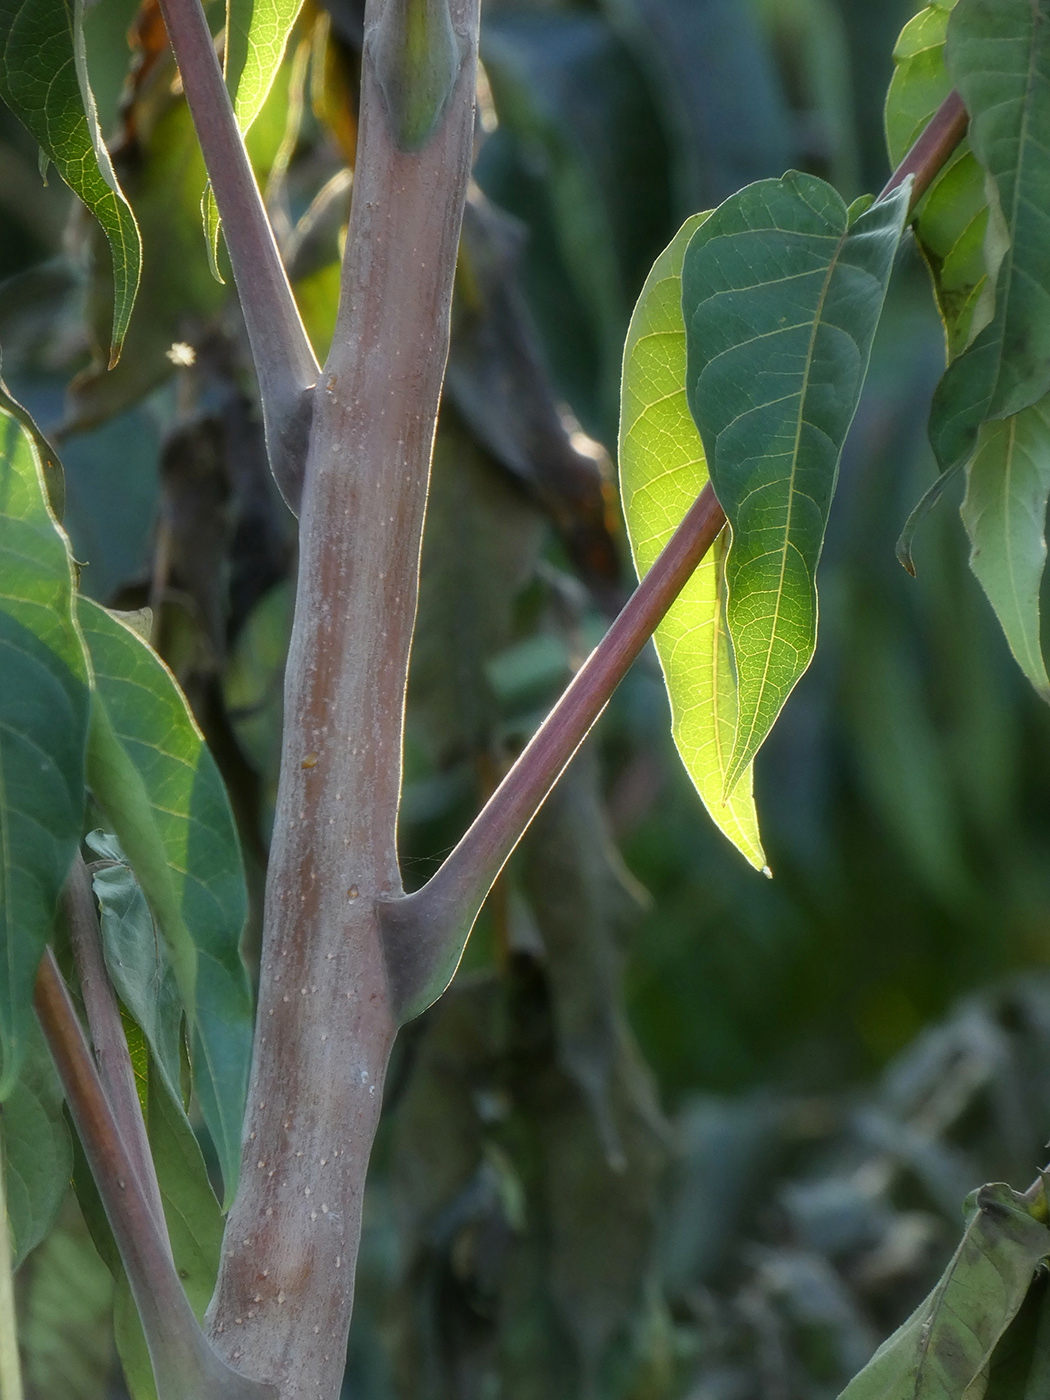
(952, 218)
(662, 471)
(153, 774)
(44, 708)
(38, 1159)
(137, 958)
(998, 57)
(256, 37)
(948, 1341)
(1007, 486)
(781, 296)
(43, 79)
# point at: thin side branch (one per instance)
(184, 1365)
(107, 1033)
(284, 359)
(425, 933)
(928, 156)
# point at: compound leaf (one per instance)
(781, 294)
(662, 471)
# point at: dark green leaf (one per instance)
(948, 1341)
(38, 1158)
(781, 296)
(43, 79)
(998, 57)
(1020, 1365)
(662, 471)
(44, 708)
(1007, 487)
(153, 774)
(137, 959)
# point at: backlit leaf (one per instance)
(153, 774)
(43, 79)
(44, 708)
(782, 293)
(998, 57)
(948, 1341)
(662, 471)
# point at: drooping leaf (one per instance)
(1020, 1364)
(951, 220)
(662, 471)
(156, 780)
(65, 1300)
(1007, 487)
(44, 708)
(194, 1223)
(949, 1339)
(998, 57)
(38, 1158)
(44, 80)
(781, 294)
(137, 959)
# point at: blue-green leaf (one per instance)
(662, 471)
(1007, 487)
(160, 788)
(38, 1154)
(781, 295)
(43, 79)
(44, 707)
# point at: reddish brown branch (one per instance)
(107, 1032)
(184, 1364)
(424, 933)
(928, 156)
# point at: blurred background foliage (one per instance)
(676, 1130)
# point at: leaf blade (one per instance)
(662, 470)
(949, 1339)
(44, 707)
(782, 294)
(199, 893)
(43, 79)
(1004, 511)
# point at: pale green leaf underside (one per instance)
(43, 79)
(662, 471)
(948, 1341)
(781, 298)
(998, 57)
(200, 890)
(44, 706)
(1007, 487)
